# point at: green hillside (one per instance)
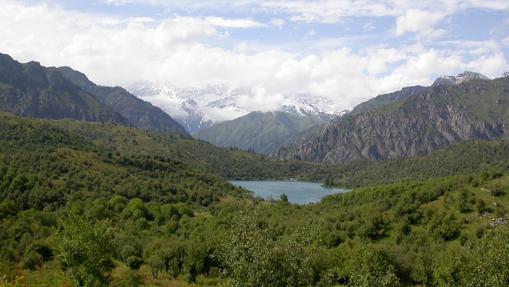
(260, 132)
(88, 204)
(468, 158)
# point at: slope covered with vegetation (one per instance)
(260, 132)
(468, 158)
(87, 204)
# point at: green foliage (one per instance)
(372, 268)
(467, 158)
(109, 211)
(486, 261)
(260, 132)
(127, 278)
(85, 251)
(252, 258)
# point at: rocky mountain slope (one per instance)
(262, 132)
(139, 113)
(412, 122)
(62, 93)
(36, 91)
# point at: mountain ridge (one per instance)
(33, 90)
(416, 124)
(200, 107)
(261, 132)
(141, 114)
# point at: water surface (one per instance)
(297, 191)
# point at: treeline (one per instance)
(117, 141)
(468, 158)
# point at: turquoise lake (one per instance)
(298, 192)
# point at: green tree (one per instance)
(486, 262)
(372, 268)
(284, 198)
(85, 251)
(252, 258)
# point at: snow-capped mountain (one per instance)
(461, 78)
(197, 108)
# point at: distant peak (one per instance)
(506, 75)
(461, 78)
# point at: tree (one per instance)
(85, 251)
(372, 268)
(252, 258)
(284, 198)
(486, 261)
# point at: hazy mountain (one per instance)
(198, 108)
(413, 123)
(36, 91)
(262, 132)
(139, 113)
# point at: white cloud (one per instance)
(311, 33)
(419, 21)
(327, 11)
(234, 23)
(179, 50)
(277, 22)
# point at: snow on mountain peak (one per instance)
(197, 108)
(461, 78)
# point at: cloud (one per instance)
(327, 11)
(234, 23)
(277, 22)
(183, 51)
(419, 21)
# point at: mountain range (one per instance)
(198, 108)
(32, 90)
(139, 113)
(414, 121)
(263, 132)
(411, 122)
(62, 93)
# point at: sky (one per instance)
(345, 50)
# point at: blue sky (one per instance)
(346, 50)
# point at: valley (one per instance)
(101, 188)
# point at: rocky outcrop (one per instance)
(461, 78)
(415, 125)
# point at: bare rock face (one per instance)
(415, 125)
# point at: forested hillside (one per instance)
(261, 132)
(468, 158)
(88, 204)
